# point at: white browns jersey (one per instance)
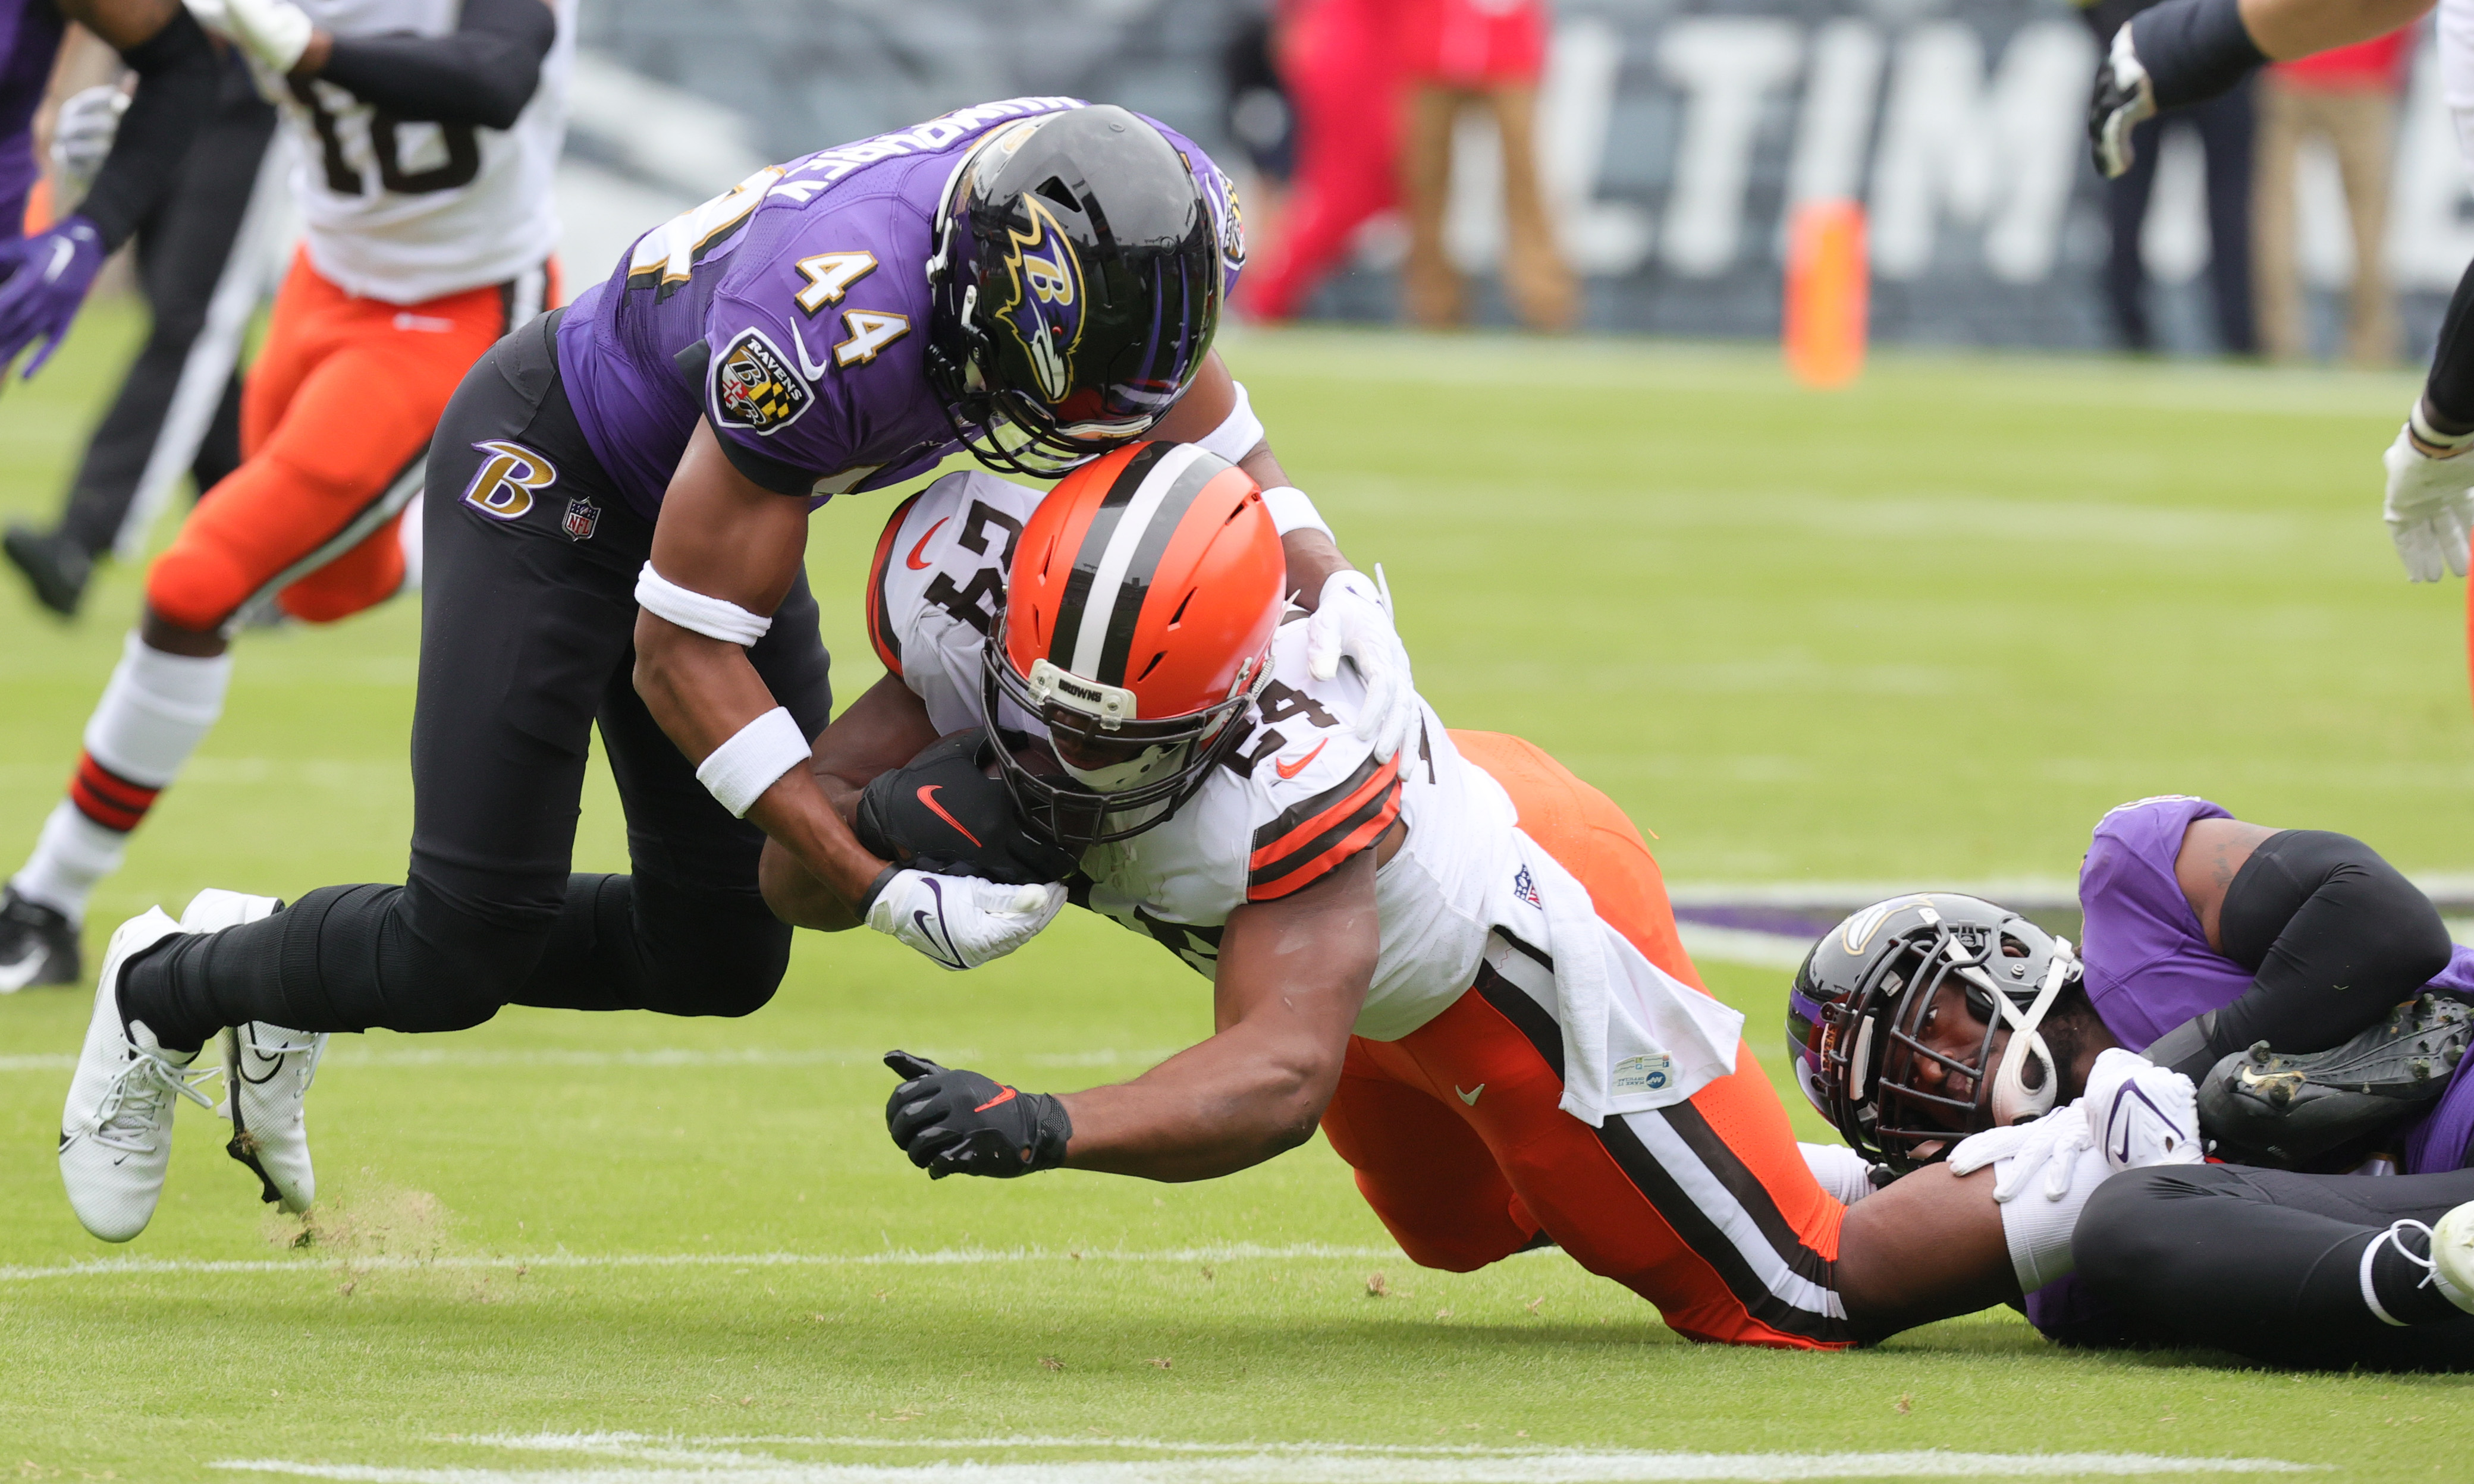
(405, 212)
(1299, 795)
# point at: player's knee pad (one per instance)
(710, 953)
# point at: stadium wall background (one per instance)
(1676, 137)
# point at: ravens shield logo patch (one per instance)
(754, 387)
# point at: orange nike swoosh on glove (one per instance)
(939, 810)
(1005, 1096)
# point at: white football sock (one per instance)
(155, 711)
(2038, 1229)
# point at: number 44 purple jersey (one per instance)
(789, 312)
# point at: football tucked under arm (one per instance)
(943, 813)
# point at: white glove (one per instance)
(81, 136)
(1353, 618)
(2050, 1143)
(2429, 508)
(275, 32)
(2141, 1113)
(963, 922)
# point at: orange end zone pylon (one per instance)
(1827, 277)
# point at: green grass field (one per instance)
(1924, 629)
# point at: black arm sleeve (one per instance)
(177, 83)
(2448, 396)
(2335, 938)
(2193, 50)
(483, 72)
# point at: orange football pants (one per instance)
(342, 399)
(1705, 1209)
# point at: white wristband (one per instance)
(2454, 442)
(1291, 511)
(1238, 433)
(2037, 1230)
(740, 771)
(716, 618)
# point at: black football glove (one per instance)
(953, 1122)
(942, 813)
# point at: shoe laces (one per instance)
(134, 1103)
(278, 1046)
(2394, 1236)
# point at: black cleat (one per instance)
(2267, 1107)
(57, 567)
(38, 946)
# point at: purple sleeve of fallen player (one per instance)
(2148, 963)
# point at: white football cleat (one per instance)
(116, 1129)
(2141, 1113)
(267, 1070)
(2452, 1256)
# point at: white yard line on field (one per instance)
(951, 1256)
(418, 1058)
(704, 1461)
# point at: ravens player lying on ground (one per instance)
(1459, 960)
(2209, 940)
(623, 495)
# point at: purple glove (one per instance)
(44, 279)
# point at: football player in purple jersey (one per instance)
(2183, 51)
(620, 494)
(2208, 940)
(44, 279)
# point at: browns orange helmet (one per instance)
(1137, 627)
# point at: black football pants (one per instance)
(2269, 1263)
(526, 645)
(183, 246)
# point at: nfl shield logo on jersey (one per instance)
(582, 516)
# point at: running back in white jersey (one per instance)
(1300, 795)
(404, 213)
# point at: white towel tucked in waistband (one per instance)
(1635, 1037)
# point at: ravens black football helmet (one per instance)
(1077, 283)
(1858, 1014)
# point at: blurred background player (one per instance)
(44, 277)
(2186, 51)
(2348, 99)
(2226, 127)
(184, 247)
(425, 158)
(1482, 57)
(1341, 63)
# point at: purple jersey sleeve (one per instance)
(30, 38)
(2148, 963)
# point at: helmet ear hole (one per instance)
(1054, 189)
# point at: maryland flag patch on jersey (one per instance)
(754, 387)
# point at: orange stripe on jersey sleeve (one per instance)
(880, 609)
(1311, 839)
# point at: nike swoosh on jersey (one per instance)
(913, 560)
(813, 370)
(939, 810)
(1289, 770)
(1005, 1096)
(1470, 1097)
